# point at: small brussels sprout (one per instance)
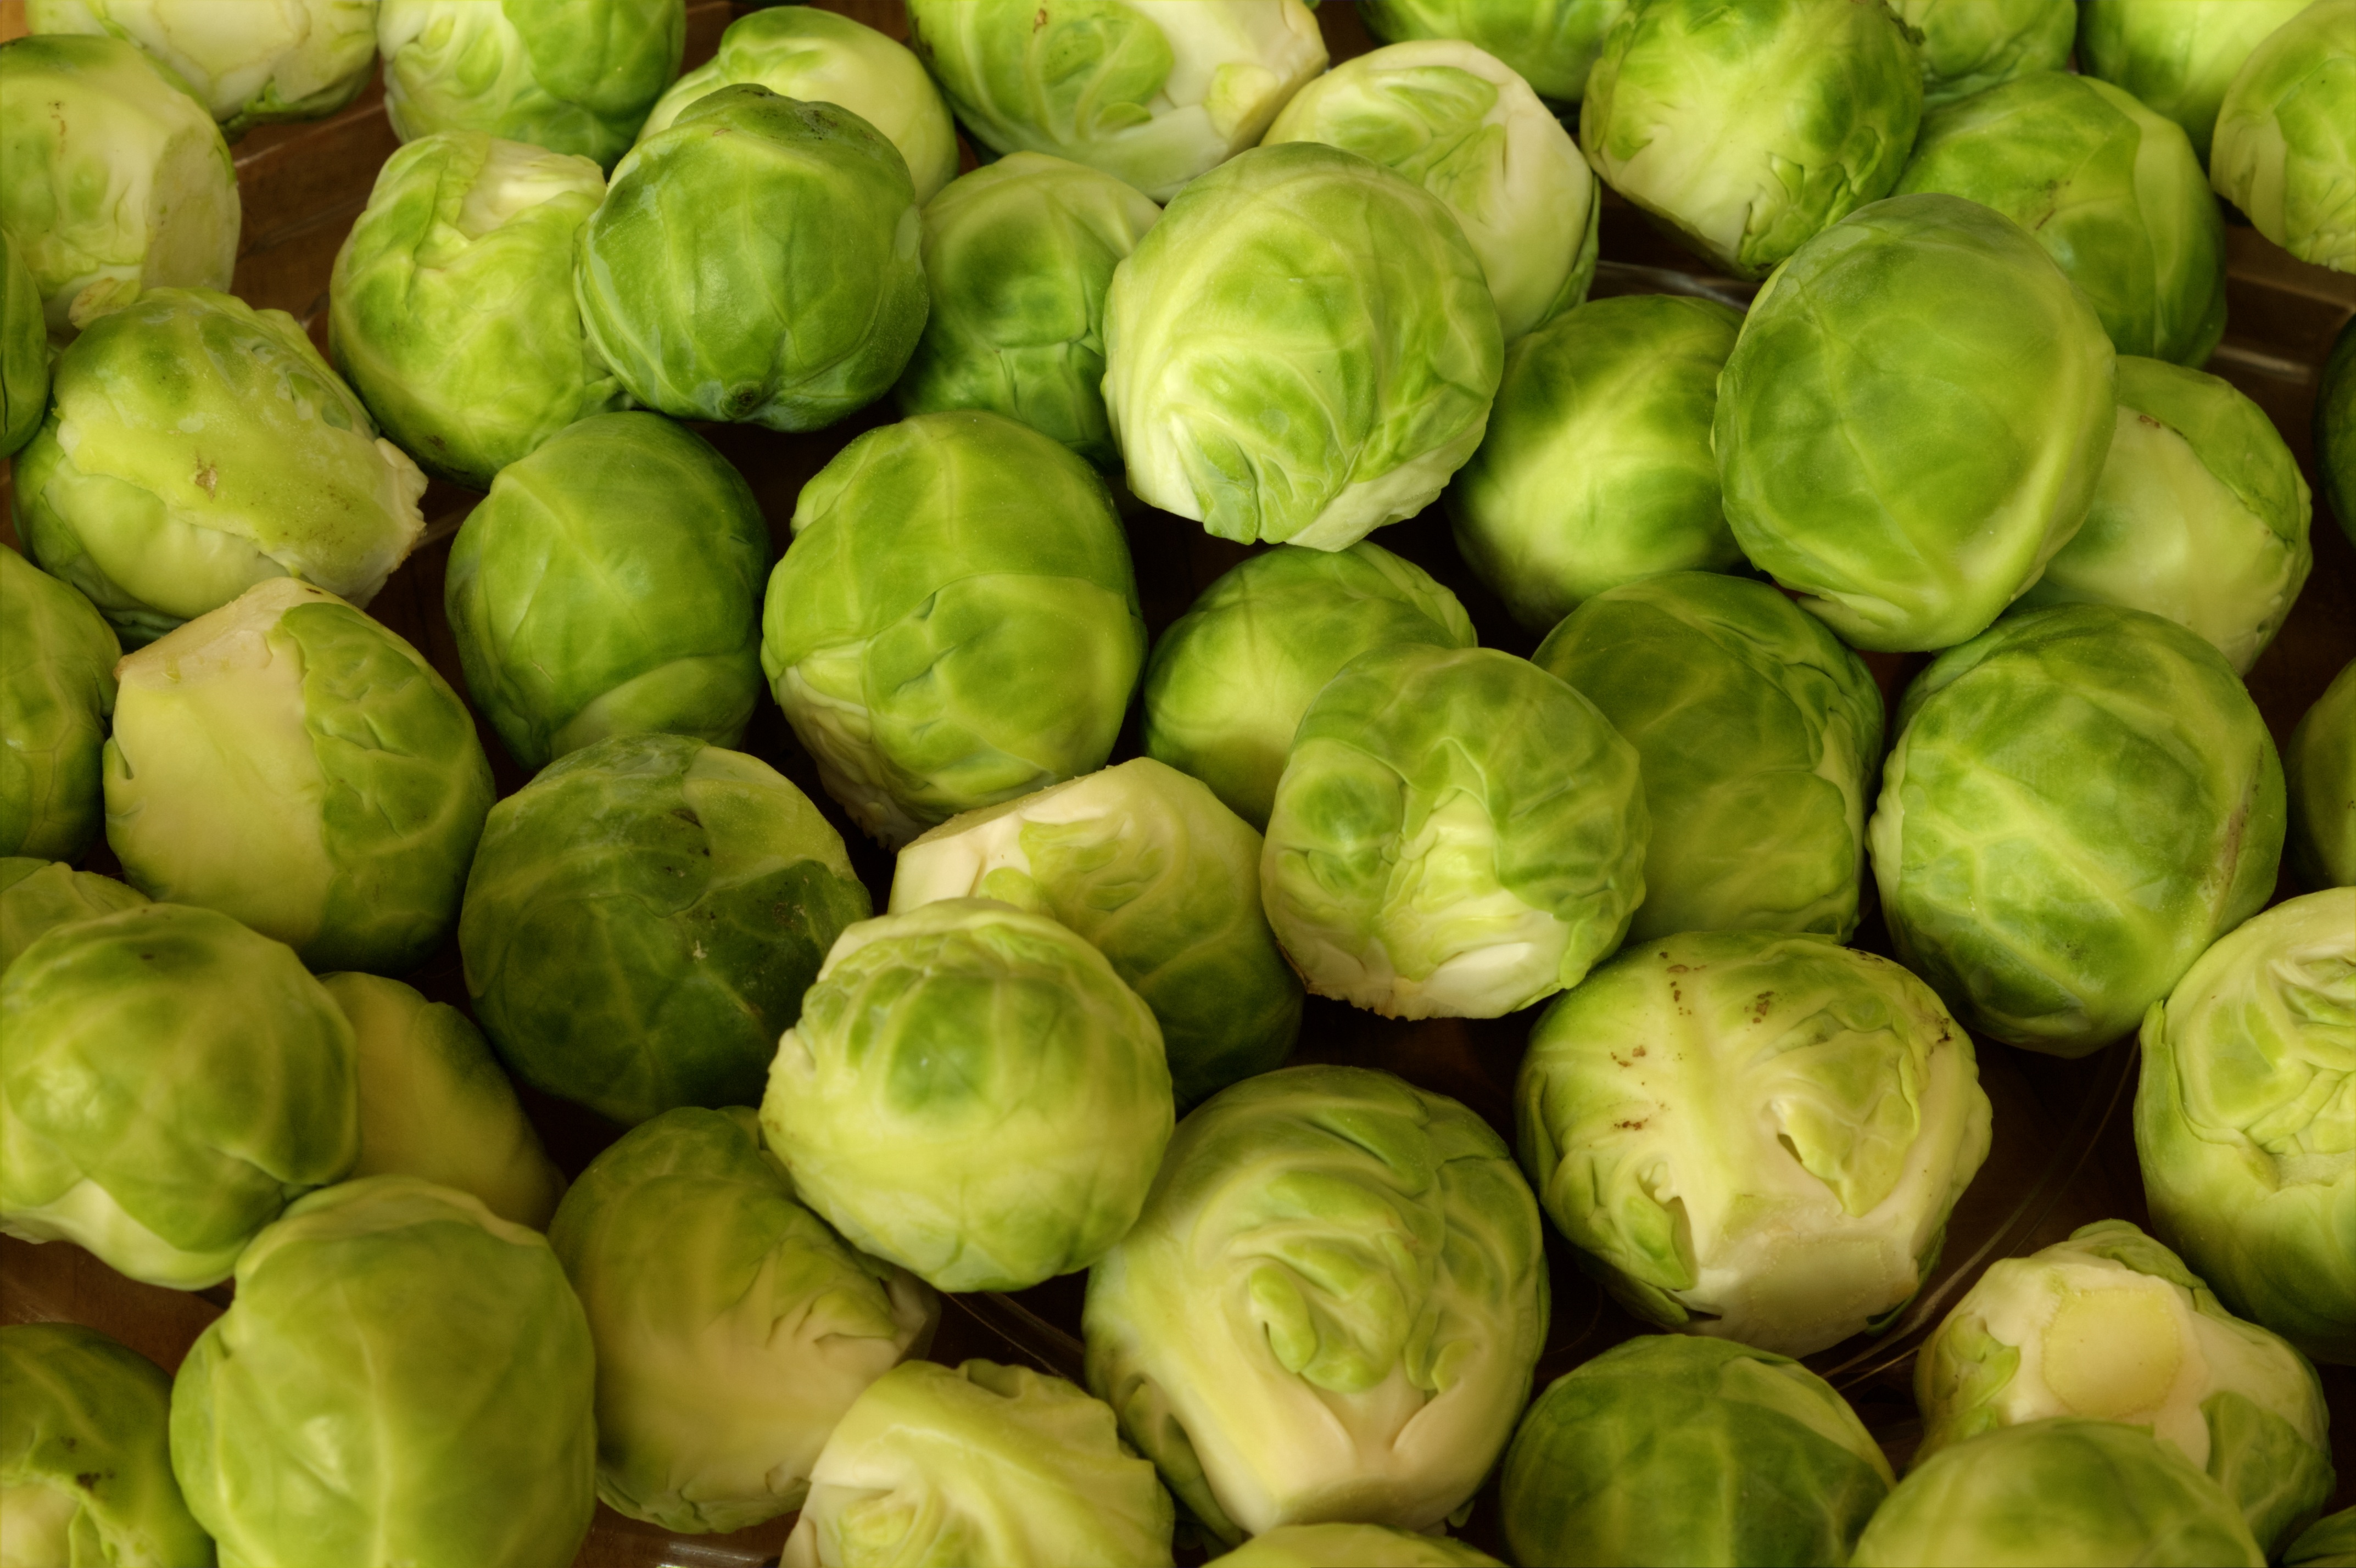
(2335, 428)
(169, 1081)
(980, 1463)
(1671, 1449)
(85, 1462)
(1970, 46)
(972, 1093)
(1390, 303)
(1352, 1546)
(642, 919)
(2177, 58)
(403, 1377)
(2320, 769)
(611, 585)
(290, 762)
(1597, 468)
(1907, 480)
(2286, 136)
(1457, 833)
(2081, 800)
(955, 622)
(2330, 1543)
(57, 688)
(1332, 1305)
(733, 1329)
(195, 447)
(1457, 121)
(38, 896)
(249, 64)
(1153, 93)
(1552, 43)
(24, 351)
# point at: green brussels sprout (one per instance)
(972, 1093)
(1019, 256)
(403, 1377)
(1165, 881)
(1673, 1449)
(2059, 1493)
(2329, 1542)
(1153, 93)
(2177, 58)
(23, 352)
(196, 447)
(1457, 833)
(1457, 121)
(980, 1463)
(1552, 43)
(451, 308)
(733, 1329)
(611, 585)
(1970, 46)
(1225, 393)
(288, 760)
(56, 689)
(1352, 1546)
(1759, 736)
(955, 622)
(2335, 428)
(249, 64)
(2243, 1118)
(642, 919)
(2081, 800)
(790, 321)
(572, 76)
(2286, 136)
(1906, 480)
(1332, 1305)
(1597, 468)
(1744, 130)
(118, 180)
(169, 1081)
(2320, 769)
(38, 896)
(85, 1462)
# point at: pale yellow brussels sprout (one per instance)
(1352, 1546)
(2285, 136)
(251, 62)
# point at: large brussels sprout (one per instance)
(1457, 833)
(2335, 428)
(1231, 679)
(1153, 93)
(2319, 768)
(169, 1081)
(1225, 394)
(38, 896)
(2243, 1121)
(251, 64)
(195, 447)
(57, 687)
(2177, 56)
(24, 351)
(403, 1377)
(1907, 480)
(1671, 1449)
(980, 1463)
(2081, 800)
(955, 622)
(1970, 46)
(971, 1093)
(2286, 136)
(2330, 1544)
(732, 1327)
(610, 584)
(1757, 735)
(1457, 121)
(642, 919)
(1352, 1546)
(290, 762)
(1330, 1308)
(1552, 43)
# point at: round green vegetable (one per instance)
(2177, 58)
(2286, 136)
(2320, 769)
(1352, 1546)
(1552, 43)
(1970, 46)
(250, 65)
(56, 689)
(2335, 428)
(38, 896)
(24, 351)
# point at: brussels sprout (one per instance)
(2286, 136)
(1352, 1546)
(1759, 735)
(169, 1081)
(23, 352)
(2335, 428)
(2319, 766)
(195, 447)
(403, 1377)
(1332, 1305)
(1457, 833)
(733, 1329)
(249, 64)
(642, 919)
(955, 622)
(1670, 1449)
(1457, 121)
(38, 896)
(1153, 93)
(2243, 1121)
(57, 688)
(1597, 468)
(1552, 43)
(118, 180)
(1225, 393)
(2081, 800)
(1970, 46)
(971, 1094)
(85, 1464)
(611, 585)
(572, 75)
(1146, 864)
(451, 309)
(980, 1464)
(1908, 480)
(2177, 58)
(1019, 256)
(287, 761)
(2329, 1543)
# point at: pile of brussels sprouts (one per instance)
(1203, 274)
